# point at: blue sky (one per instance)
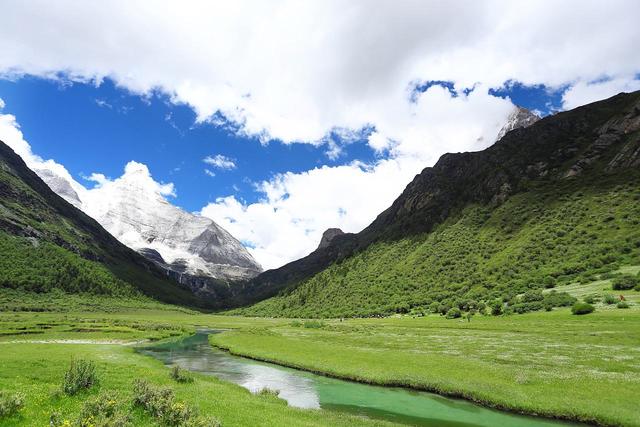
(91, 128)
(386, 84)
(99, 129)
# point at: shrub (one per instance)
(496, 307)
(558, 299)
(10, 403)
(313, 324)
(160, 402)
(180, 375)
(622, 304)
(624, 282)
(80, 375)
(104, 410)
(582, 308)
(268, 392)
(453, 313)
(589, 299)
(609, 299)
(433, 307)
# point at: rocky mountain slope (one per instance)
(192, 249)
(520, 118)
(593, 150)
(46, 243)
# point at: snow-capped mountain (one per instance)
(520, 118)
(133, 208)
(60, 186)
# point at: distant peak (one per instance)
(328, 236)
(519, 118)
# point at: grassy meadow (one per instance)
(553, 363)
(549, 363)
(36, 349)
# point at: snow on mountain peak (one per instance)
(134, 208)
(519, 118)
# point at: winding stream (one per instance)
(306, 390)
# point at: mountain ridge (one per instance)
(192, 249)
(549, 149)
(85, 257)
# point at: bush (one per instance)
(80, 375)
(313, 324)
(104, 410)
(558, 299)
(582, 308)
(180, 375)
(433, 307)
(622, 304)
(496, 307)
(609, 299)
(625, 282)
(160, 402)
(268, 392)
(10, 403)
(454, 313)
(589, 299)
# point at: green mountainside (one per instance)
(550, 204)
(46, 244)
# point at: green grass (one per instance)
(578, 367)
(553, 234)
(551, 363)
(47, 244)
(34, 364)
(597, 289)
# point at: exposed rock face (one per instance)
(603, 137)
(520, 118)
(60, 186)
(30, 210)
(190, 247)
(328, 236)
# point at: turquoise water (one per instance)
(305, 390)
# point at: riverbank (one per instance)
(581, 368)
(37, 348)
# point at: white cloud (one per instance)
(11, 135)
(582, 93)
(220, 162)
(296, 71)
(209, 172)
(1, 103)
(102, 103)
(99, 178)
(288, 222)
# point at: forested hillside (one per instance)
(46, 243)
(553, 203)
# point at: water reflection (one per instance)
(306, 390)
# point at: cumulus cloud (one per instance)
(1, 103)
(134, 172)
(297, 71)
(11, 135)
(288, 222)
(297, 207)
(99, 178)
(582, 93)
(220, 162)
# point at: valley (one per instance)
(555, 364)
(501, 284)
